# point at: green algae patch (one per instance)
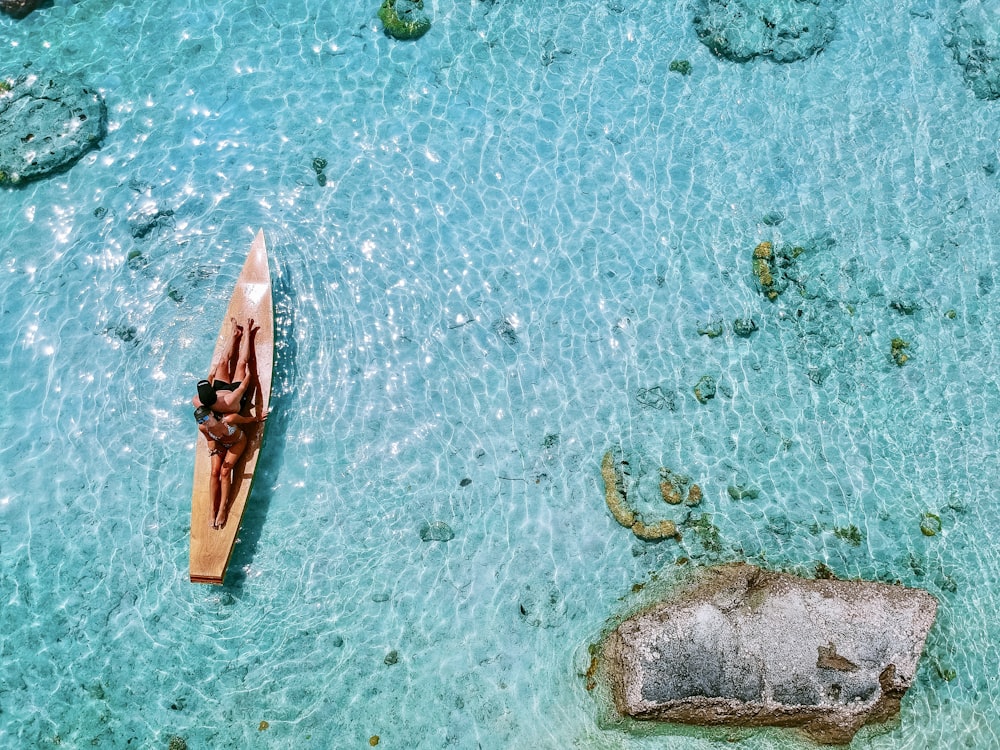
(850, 534)
(680, 66)
(705, 532)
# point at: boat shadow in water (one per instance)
(283, 389)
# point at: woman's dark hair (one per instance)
(206, 393)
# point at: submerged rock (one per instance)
(975, 42)
(744, 327)
(741, 646)
(783, 30)
(46, 125)
(436, 531)
(18, 8)
(704, 389)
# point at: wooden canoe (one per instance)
(212, 548)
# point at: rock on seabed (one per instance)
(46, 124)
(741, 646)
(974, 40)
(18, 8)
(782, 30)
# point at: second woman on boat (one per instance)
(226, 443)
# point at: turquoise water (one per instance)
(526, 220)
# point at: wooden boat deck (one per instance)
(211, 549)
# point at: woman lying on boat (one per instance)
(226, 443)
(225, 391)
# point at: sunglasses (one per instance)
(204, 419)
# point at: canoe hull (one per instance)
(211, 548)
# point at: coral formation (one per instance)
(654, 532)
(774, 270)
(782, 30)
(712, 330)
(694, 495)
(674, 488)
(681, 66)
(704, 389)
(930, 524)
(762, 257)
(404, 19)
(670, 491)
(614, 491)
(899, 355)
(616, 496)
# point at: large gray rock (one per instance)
(46, 124)
(744, 647)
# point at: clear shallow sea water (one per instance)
(524, 164)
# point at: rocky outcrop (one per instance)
(46, 125)
(975, 42)
(783, 30)
(18, 8)
(741, 646)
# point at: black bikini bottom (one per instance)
(222, 385)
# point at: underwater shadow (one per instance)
(283, 384)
